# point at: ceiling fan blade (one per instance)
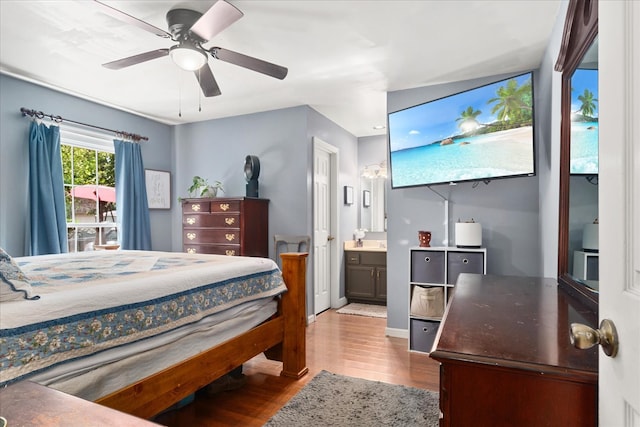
(128, 19)
(217, 18)
(207, 81)
(249, 62)
(136, 59)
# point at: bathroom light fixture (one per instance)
(379, 127)
(378, 170)
(187, 56)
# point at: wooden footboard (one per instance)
(157, 392)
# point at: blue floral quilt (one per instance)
(93, 301)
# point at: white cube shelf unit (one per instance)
(585, 265)
(433, 272)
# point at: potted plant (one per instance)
(200, 187)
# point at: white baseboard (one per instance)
(398, 333)
(340, 303)
(311, 319)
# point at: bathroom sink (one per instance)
(367, 245)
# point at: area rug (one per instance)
(337, 400)
(368, 310)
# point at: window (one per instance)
(88, 164)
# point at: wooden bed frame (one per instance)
(281, 338)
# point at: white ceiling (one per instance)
(342, 56)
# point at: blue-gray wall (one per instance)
(14, 152)
(283, 140)
(548, 116)
(216, 150)
(506, 208)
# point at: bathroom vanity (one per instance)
(366, 272)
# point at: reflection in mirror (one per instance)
(583, 231)
(583, 183)
(373, 179)
(578, 51)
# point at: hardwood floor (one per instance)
(343, 344)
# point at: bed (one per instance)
(138, 330)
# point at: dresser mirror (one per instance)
(578, 229)
(583, 259)
(373, 213)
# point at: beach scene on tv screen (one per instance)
(482, 133)
(584, 122)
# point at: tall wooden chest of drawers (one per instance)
(226, 226)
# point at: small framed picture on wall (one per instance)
(348, 195)
(366, 198)
(158, 184)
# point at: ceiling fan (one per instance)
(190, 29)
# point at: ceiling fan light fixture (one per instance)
(188, 57)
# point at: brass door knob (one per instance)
(583, 337)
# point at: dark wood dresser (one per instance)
(506, 358)
(226, 226)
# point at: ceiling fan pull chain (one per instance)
(199, 91)
(179, 94)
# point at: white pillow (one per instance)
(14, 284)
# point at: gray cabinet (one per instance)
(366, 277)
(432, 278)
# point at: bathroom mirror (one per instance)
(577, 253)
(373, 179)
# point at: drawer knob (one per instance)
(191, 220)
(230, 236)
(224, 206)
(191, 250)
(427, 259)
(230, 252)
(229, 221)
(465, 261)
(191, 236)
(195, 207)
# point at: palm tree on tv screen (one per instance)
(588, 106)
(467, 120)
(513, 102)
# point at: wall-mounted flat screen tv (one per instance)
(584, 122)
(479, 134)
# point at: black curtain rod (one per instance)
(58, 119)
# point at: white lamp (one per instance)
(188, 57)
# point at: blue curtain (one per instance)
(48, 223)
(131, 197)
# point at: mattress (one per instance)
(98, 309)
(104, 373)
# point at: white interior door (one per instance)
(619, 207)
(322, 238)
